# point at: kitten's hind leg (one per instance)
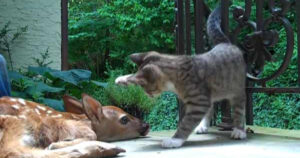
(202, 128)
(194, 112)
(238, 104)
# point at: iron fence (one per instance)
(258, 44)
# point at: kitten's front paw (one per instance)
(201, 129)
(238, 134)
(122, 80)
(172, 143)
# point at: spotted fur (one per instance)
(27, 128)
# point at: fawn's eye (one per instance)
(124, 120)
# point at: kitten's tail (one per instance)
(214, 29)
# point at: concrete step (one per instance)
(263, 143)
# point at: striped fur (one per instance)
(198, 81)
(214, 29)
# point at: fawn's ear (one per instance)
(73, 105)
(92, 108)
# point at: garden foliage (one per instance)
(102, 33)
(47, 86)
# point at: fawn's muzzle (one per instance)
(144, 129)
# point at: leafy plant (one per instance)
(7, 38)
(42, 62)
(46, 85)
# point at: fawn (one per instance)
(29, 129)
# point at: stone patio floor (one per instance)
(263, 143)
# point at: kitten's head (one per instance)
(149, 75)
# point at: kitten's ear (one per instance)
(92, 108)
(138, 58)
(72, 105)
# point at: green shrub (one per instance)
(103, 33)
(161, 112)
(164, 115)
(124, 97)
(280, 110)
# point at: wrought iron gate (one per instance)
(258, 44)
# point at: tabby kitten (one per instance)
(198, 81)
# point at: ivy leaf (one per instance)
(72, 76)
(100, 84)
(16, 76)
(53, 103)
(40, 88)
(40, 70)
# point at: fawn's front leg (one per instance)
(65, 143)
(85, 149)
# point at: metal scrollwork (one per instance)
(258, 44)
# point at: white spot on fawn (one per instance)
(7, 116)
(75, 117)
(13, 99)
(28, 140)
(41, 108)
(57, 116)
(37, 111)
(15, 106)
(22, 101)
(22, 116)
(27, 110)
(49, 112)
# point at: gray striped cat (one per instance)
(198, 81)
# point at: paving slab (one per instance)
(263, 143)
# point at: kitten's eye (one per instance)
(124, 120)
(141, 82)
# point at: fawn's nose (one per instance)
(144, 129)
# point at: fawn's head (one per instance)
(110, 123)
